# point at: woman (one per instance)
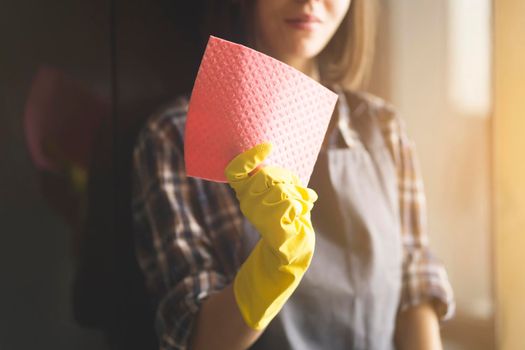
(372, 282)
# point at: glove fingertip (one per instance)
(312, 195)
(247, 162)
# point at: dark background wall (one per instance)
(36, 261)
(131, 53)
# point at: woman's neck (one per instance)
(307, 66)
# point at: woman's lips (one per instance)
(306, 22)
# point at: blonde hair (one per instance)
(345, 61)
(348, 57)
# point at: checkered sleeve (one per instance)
(424, 277)
(184, 231)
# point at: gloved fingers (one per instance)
(277, 175)
(283, 192)
(242, 165)
(285, 201)
(307, 193)
(296, 209)
(304, 195)
(253, 185)
(275, 209)
(267, 177)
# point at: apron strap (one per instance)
(343, 121)
(360, 121)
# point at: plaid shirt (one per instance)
(188, 230)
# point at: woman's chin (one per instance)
(295, 49)
(303, 52)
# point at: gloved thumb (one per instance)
(243, 164)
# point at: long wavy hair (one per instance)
(347, 58)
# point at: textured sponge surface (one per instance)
(241, 98)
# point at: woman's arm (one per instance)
(426, 294)
(417, 328)
(279, 208)
(220, 325)
(185, 231)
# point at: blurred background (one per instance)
(91, 71)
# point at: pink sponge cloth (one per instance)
(242, 98)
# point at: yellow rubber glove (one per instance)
(279, 208)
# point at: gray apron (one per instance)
(349, 296)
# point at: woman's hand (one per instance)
(417, 328)
(278, 206)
